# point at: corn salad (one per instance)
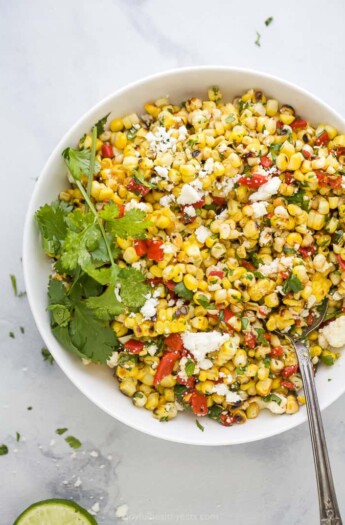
(245, 203)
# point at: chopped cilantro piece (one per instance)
(17, 437)
(327, 360)
(261, 339)
(47, 356)
(60, 431)
(183, 292)
(22, 329)
(215, 411)
(272, 397)
(132, 224)
(293, 284)
(299, 198)
(204, 302)
(29, 408)
(14, 284)
(3, 450)
(199, 425)
(286, 249)
(269, 21)
(141, 179)
(244, 323)
(190, 367)
(11, 334)
(73, 442)
(257, 41)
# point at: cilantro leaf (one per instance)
(134, 287)
(60, 313)
(105, 306)
(78, 162)
(92, 337)
(327, 360)
(100, 125)
(269, 21)
(189, 367)
(110, 212)
(51, 221)
(17, 437)
(199, 425)
(77, 248)
(3, 450)
(73, 442)
(132, 224)
(14, 284)
(293, 284)
(204, 302)
(183, 292)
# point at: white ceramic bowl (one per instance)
(96, 382)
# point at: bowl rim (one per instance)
(26, 248)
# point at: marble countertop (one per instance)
(57, 60)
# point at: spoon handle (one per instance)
(329, 510)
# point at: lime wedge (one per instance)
(55, 512)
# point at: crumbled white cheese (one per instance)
(202, 233)
(140, 265)
(95, 508)
(266, 190)
(286, 262)
(94, 454)
(190, 211)
(277, 408)
(334, 332)
(222, 148)
(117, 292)
(152, 349)
(122, 512)
(168, 248)
(162, 171)
(161, 140)
(311, 301)
(133, 204)
(209, 166)
(78, 482)
(205, 364)
(202, 343)
(183, 133)
(226, 185)
(222, 390)
(280, 211)
(113, 360)
(270, 268)
(182, 370)
(149, 309)
(166, 200)
(189, 195)
(266, 237)
(259, 209)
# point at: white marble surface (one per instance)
(58, 59)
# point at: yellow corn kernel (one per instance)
(282, 161)
(199, 323)
(240, 359)
(121, 140)
(119, 329)
(263, 388)
(271, 300)
(291, 405)
(116, 124)
(190, 282)
(253, 410)
(130, 255)
(339, 141)
(128, 387)
(316, 221)
(263, 373)
(211, 374)
(205, 387)
(152, 401)
(123, 243)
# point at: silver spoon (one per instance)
(329, 510)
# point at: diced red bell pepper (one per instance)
(267, 336)
(121, 211)
(341, 262)
(284, 275)
(216, 273)
(228, 314)
(288, 177)
(137, 187)
(155, 281)
(322, 139)
(218, 201)
(250, 340)
(140, 248)
(248, 265)
(266, 162)
(299, 123)
(253, 182)
(133, 346)
(154, 250)
(306, 153)
(174, 342)
(199, 204)
(310, 319)
(199, 404)
(307, 251)
(227, 420)
(289, 371)
(340, 151)
(327, 181)
(107, 150)
(189, 383)
(165, 367)
(279, 124)
(288, 384)
(277, 352)
(170, 285)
